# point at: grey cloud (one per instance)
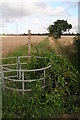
(9, 13)
(40, 4)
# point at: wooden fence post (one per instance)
(29, 43)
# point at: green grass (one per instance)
(23, 51)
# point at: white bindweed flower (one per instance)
(66, 83)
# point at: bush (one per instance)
(77, 44)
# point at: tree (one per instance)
(58, 28)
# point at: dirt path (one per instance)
(53, 44)
(64, 40)
(60, 44)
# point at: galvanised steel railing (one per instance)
(15, 79)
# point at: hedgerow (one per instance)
(62, 95)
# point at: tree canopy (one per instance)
(59, 27)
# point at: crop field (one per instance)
(10, 43)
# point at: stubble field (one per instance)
(11, 43)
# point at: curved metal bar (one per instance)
(19, 90)
(32, 57)
(23, 57)
(24, 70)
(8, 58)
(8, 64)
(11, 64)
(13, 80)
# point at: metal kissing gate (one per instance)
(16, 77)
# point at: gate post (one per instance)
(19, 68)
(2, 74)
(44, 77)
(23, 82)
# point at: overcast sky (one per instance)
(17, 16)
